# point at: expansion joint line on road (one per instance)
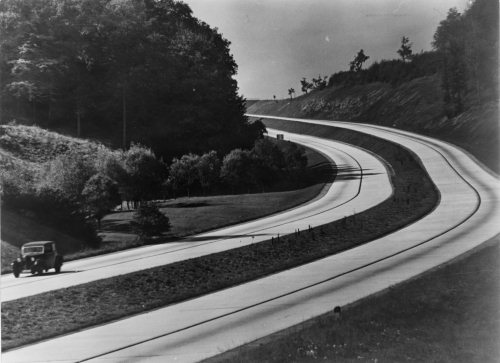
(255, 231)
(478, 203)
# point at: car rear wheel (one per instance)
(58, 264)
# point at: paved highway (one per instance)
(467, 216)
(367, 185)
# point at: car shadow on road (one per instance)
(49, 274)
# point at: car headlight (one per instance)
(32, 259)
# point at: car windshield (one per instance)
(33, 249)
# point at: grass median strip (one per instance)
(53, 313)
(447, 315)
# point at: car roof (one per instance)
(37, 243)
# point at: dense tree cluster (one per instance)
(467, 45)
(128, 71)
(315, 84)
(262, 167)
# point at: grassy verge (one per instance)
(188, 216)
(449, 314)
(57, 312)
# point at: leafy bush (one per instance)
(144, 174)
(100, 196)
(149, 221)
(68, 173)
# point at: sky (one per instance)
(278, 42)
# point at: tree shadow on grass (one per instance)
(116, 226)
(222, 237)
(348, 172)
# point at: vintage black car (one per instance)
(38, 257)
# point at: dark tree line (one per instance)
(133, 70)
(467, 45)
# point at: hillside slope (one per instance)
(24, 152)
(415, 106)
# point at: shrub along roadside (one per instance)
(117, 297)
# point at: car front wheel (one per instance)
(16, 268)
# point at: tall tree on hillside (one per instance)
(449, 41)
(357, 63)
(405, 51)
(481, 22)
(305, 85)
(291, 92)
(320, 82)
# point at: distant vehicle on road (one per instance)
(280, 136)
(38, 257)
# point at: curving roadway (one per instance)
(342, 198)
(466, 216)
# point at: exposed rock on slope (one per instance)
(416, 106)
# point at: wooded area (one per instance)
(121, 71)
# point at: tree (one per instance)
(405, 51)
(269, 154)
(67, 174)
(291, 91)
(144, 174)
(149, 221)
(357, 63)
(295, 159)
(100, 196)
(208, 170)
(320, 82)
(305, 85)
(449, 41)
(236, 169)
(184, 172)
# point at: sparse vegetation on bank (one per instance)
(414, 196)
(450, 92)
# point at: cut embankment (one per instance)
(61, 311)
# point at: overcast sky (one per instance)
(277, 42)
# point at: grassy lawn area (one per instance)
(449, 314)
(58, 312)
(188, 216)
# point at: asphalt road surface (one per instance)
(362, 183)
(466, 216)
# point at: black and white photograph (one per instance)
(246, 181)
